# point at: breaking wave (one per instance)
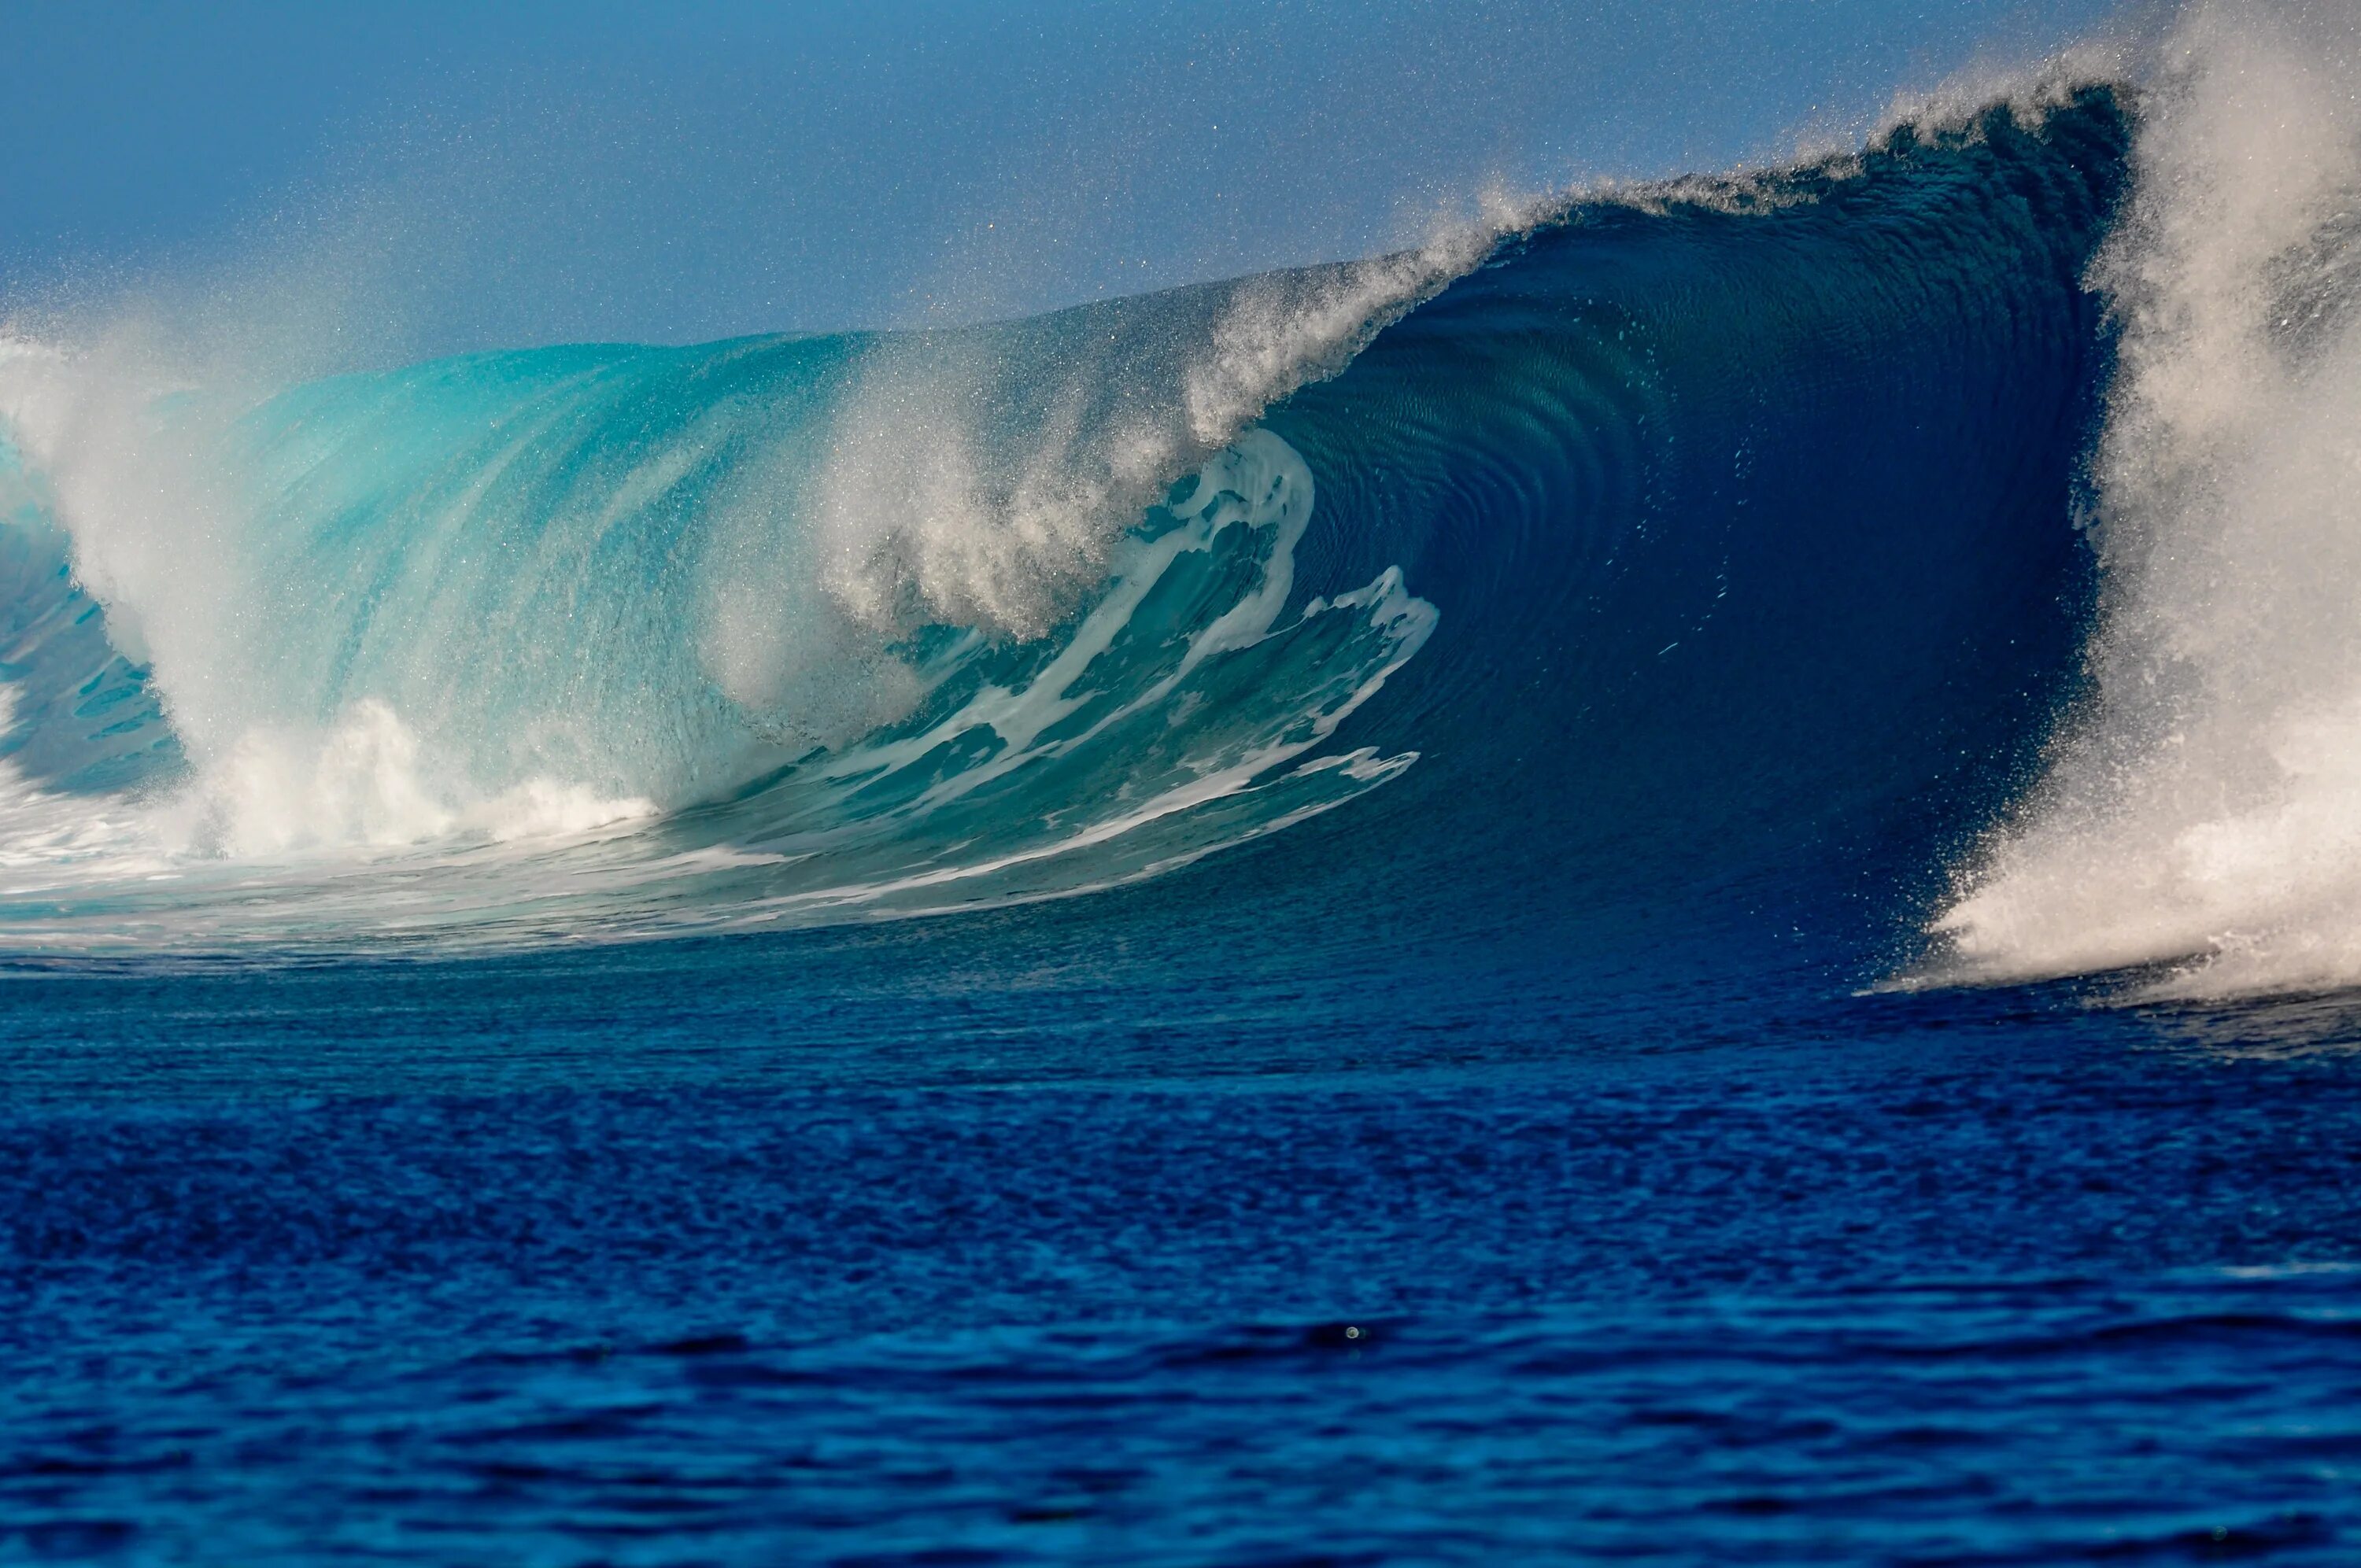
(1945, 550)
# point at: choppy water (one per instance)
(525, 1260)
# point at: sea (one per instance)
(1673, 879)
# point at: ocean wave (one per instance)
(1704, 551)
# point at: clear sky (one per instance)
(520, 170)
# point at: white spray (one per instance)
(2206, 814)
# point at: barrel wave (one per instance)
(1823, 561)
(1697, 559)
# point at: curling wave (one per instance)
(599, 641)
(1920, 561)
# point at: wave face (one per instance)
(1694, 560)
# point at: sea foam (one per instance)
(2203, 811)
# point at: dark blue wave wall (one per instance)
(1753, 534)
(1748, 510)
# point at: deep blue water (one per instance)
(972, 1242)
(1506, 1155)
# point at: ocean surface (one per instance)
(1676, 880)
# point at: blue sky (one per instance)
(530, 170)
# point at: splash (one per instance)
(2206, 814)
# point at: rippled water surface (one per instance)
(829, 1266)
